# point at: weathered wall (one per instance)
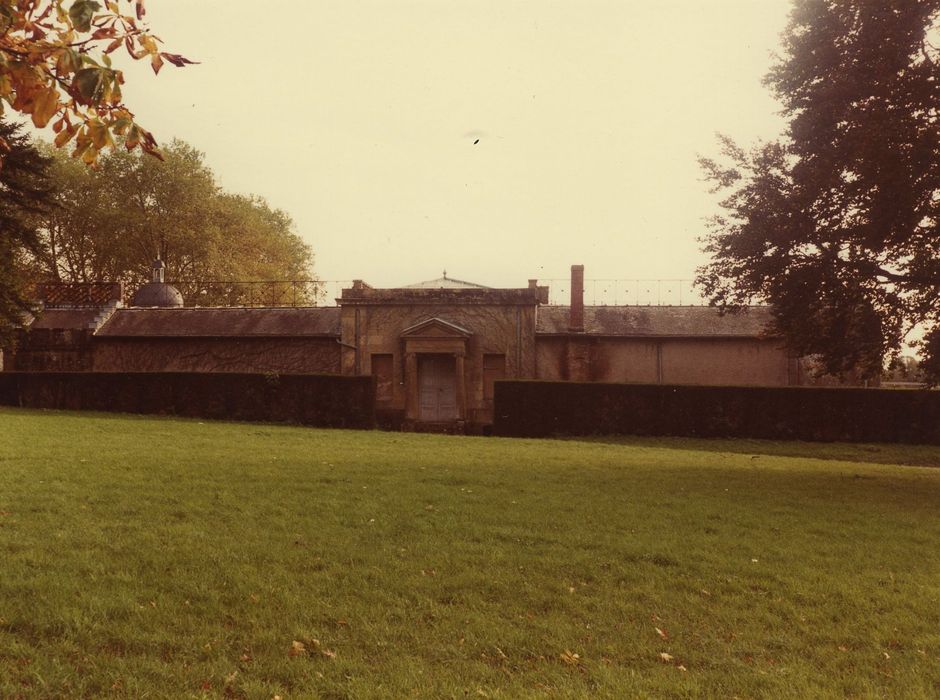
(497, 329)
(52, 350)
(280, 355)
(592, 359)
(744, 361)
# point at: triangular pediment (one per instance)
(435, 328)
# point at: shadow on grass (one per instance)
(874, 453)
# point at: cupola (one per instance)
(157, 292)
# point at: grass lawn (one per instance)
(145, 557)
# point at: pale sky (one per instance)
(358, 118)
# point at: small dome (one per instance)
(157, 294)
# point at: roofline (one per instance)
(227, 308)
(695, 336)
(217, 336)
(658, 306)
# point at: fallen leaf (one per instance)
(682, 668)
(661, 633)
(570, 658)
(297, 648)
(666, 657)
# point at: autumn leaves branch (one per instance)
(55, 66)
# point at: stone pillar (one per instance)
(411, 386)
(461, 386)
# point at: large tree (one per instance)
(24, 195)
(55, 67)
(111, 221)
(836, 225)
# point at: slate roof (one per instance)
(222, 322)
(658, 321)
(444, 282)
(60, 319)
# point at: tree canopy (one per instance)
(55, 67)
(108, 223)
(24, 196)
(836, 225)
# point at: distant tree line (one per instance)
(61, 220)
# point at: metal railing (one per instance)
(625, 292)
(597, 292)
(264, 293)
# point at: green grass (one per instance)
(169, 558)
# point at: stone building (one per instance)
(435, 348)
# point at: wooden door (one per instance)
(437, 388)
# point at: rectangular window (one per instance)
(494, 367)
(384, 374)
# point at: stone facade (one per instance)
(434, 349)
(474, 334)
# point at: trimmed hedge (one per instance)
(308, 399)
(539, 408)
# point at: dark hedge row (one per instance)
(307, 399)
(537, 409)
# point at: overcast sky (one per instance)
(361, 120)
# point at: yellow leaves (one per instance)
(67, 62)
(668, 658)
(661, 633)
(56, 61)
(100, 134)
(149, 44)
(312, 646)
(45, 106)
(132, 140)
(570, 658)
(63, 137)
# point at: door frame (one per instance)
(428, 366)
(434, 337)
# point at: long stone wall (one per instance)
(275, 354)
(727, 361)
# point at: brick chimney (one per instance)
(576, 310)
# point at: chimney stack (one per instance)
(576, 310)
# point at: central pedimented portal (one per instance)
(435, 373)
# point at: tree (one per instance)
(111, 221)
(836, 225)
(55, 64)
(24, 194)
